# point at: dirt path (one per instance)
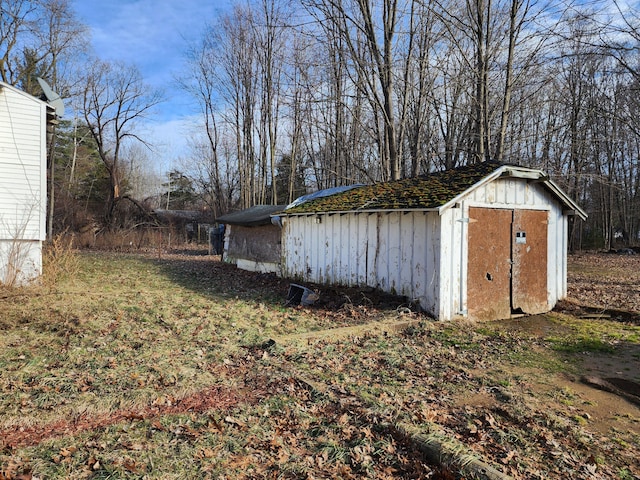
(606, 411)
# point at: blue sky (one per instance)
(153, 35)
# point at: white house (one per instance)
(484, 241)
(23, 178)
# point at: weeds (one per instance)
(59, 261)
(580, 345)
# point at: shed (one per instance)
(484, 241)
(23, 177)
(251, 240)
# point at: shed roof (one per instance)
(254, 216)
(435, 191)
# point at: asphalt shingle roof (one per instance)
(426, 191)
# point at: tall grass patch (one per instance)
(59, 260)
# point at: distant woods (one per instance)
(354, 91)
(300, 96)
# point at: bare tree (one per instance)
(38, 38)
(361, 24)
(622, 37)
(237, 72)
(115, 100)
(418, 83)
(16, 22)
(237, 76)
(500, 42)
(295, 105)
(362, 91)
(202, 84)
(270, 43)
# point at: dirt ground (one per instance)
(607, 286)
(604, 283)
(600, 285)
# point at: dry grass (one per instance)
(131, 366)
(60, 262)
(606, 282)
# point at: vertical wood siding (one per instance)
(395, 252)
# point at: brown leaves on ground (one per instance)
(16, 469)
(334, 302)
(607, 283)
(325, 409)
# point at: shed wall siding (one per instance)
(395, 252)
(557, 253)
(22, 184)
(253, 248)
(511, 193)
(453, 255)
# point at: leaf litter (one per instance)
(232, 404)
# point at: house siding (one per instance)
(22, 184)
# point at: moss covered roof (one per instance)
(426, 191)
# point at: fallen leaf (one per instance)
(233, 421)
(508, 457)
(207, 453)
(67, 452)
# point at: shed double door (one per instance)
(507, 264)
